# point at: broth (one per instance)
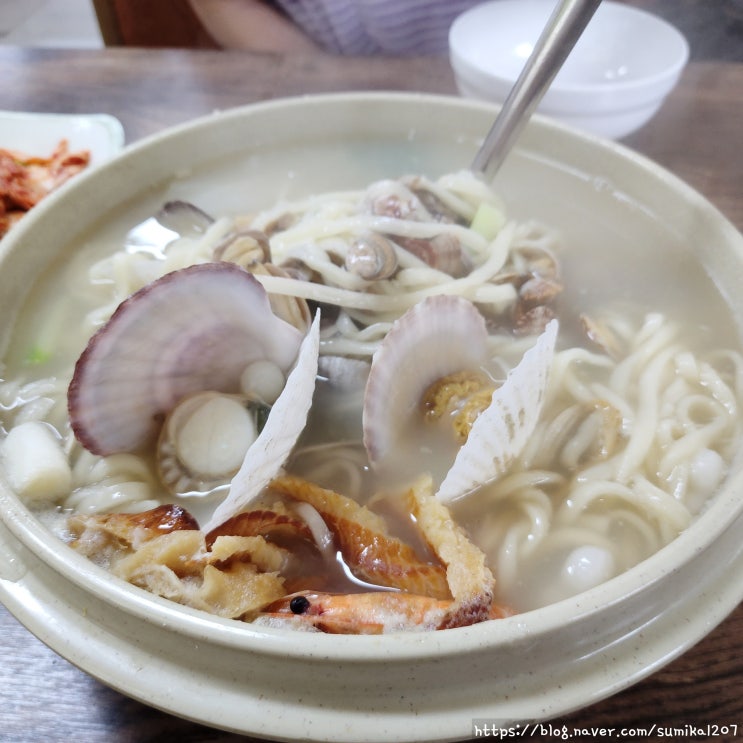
(558, 522)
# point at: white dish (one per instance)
(39, 133)
(613, 82)
(281, 685)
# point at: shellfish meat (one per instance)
(433, 366)
(436, 337)
(501, 431)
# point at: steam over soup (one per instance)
(373, 410)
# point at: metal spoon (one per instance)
(564, 28)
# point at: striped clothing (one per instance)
(377, 27)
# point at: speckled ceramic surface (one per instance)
(279, 685)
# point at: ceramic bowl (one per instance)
(613, 82)
(267, 682)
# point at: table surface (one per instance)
(696, 135)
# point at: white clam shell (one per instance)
(193, 329)
(285, 423)
(501, 431)
(438, 336)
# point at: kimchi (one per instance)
(27, 179)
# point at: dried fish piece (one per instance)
(369, 551)
(470, 584)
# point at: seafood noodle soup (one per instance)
(335, 399)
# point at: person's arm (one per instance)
(250, 25)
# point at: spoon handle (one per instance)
(564, 28)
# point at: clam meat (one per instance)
(436, 337)
(205, 439)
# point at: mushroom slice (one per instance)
(501, 431)
(194, 329)
(437, 337)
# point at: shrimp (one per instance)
(456, 591)
(372, 613)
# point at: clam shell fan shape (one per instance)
(285, 423)
(440, 336)
(502, 430)
(193, 329)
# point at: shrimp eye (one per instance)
(299, 605)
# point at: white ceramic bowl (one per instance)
(282, 685)
(34, 133)
(613, 82)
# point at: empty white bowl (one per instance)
(613, 82)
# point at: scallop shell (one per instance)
(502, 430)
(279, 435)
(193, 329)
(438, 336)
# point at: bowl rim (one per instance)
(465, 66)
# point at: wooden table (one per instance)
(696, 135)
